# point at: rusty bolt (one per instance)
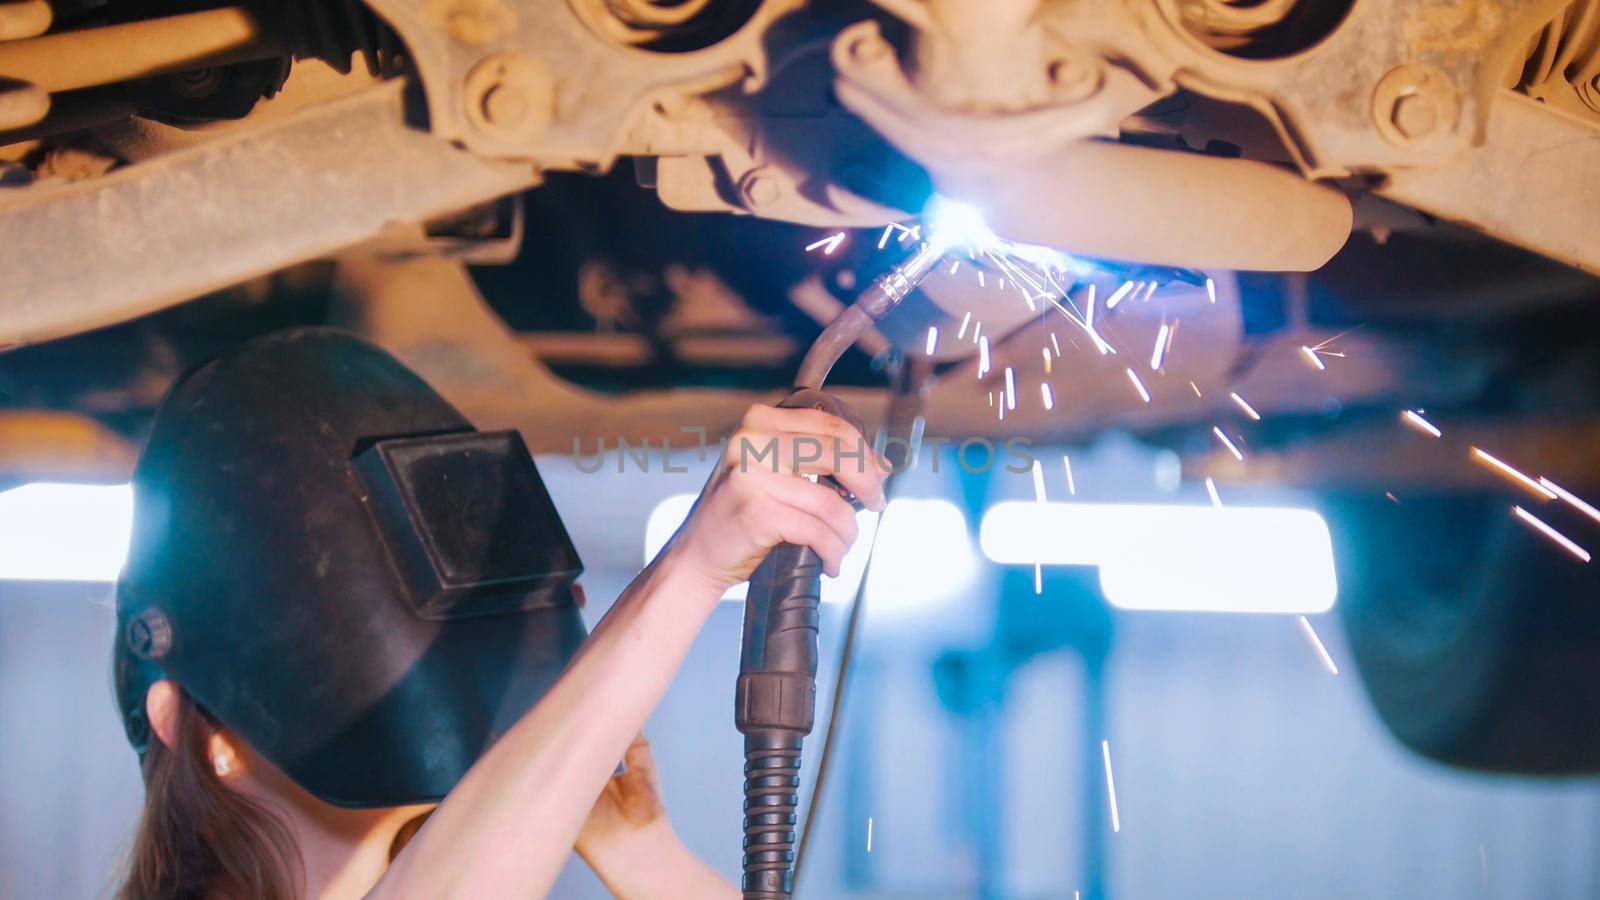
(504, 105)
(1414, 116)
(1073, 79)
(760, 187)
(870, 47)
(1414, 105)
(509, 95)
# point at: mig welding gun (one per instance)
(775, 702)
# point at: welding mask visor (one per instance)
(340, 569)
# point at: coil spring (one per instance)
(335, 31)
(1563, 59)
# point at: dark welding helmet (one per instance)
(341, 569)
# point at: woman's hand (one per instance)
(755, 499)
(630, 805)
(629, 843)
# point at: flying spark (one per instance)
(1149, 291)
(1047, 395)
(869, 834)
(1158, 354)
(1316, 644)
(1316, 361)
(884, 241)
(1513, 474)
(1111, 786)
(1047, 359)
(1543, 528)
(1571, 498)
(954, 265)
(1120, 294)
(983, 357)
(830, 243)
(1196, 389)
(1011, 389)
(1038, 482)
(1415, 420)
(1038, 579)
(933, 338)
(1211, 488)
(981, 282)
(1227, 443)
(1066, 463)
(977, 332)
(1056, 343)
(1211, 290)
(1248, 409)
(1138, 385)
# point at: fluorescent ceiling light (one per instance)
(1176, 558)
(65, 532)
(915, 531)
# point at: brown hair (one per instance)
(198, 839)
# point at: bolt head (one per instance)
(1414, 116)
(761, 190)
(509, 96)
(149, 634)
(870, 47)
(504, 105)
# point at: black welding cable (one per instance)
(904, 410)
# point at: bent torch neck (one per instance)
(871, 305)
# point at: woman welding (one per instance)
(349, 654)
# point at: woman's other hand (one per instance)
(630, 844)
(756, 498)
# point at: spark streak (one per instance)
(1316, 361)
(933, 338)
(1158, 355)
(1571, 498)
(1211, 290)
(1539, 524)
(1011, 389)
(869, 834)
(1038, 482)
(884, 241)
(1226, 442)
(965, 321)
(1514, 475)
(1138, 385)
(1048, 396)
(1111, 786)
(1415, 420)
(1211, 488)
(983, 357)
(1066, 463)
(1248, 409)
(1120, 294)
(1316, 644)
(829, 243)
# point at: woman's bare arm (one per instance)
(508, 827)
